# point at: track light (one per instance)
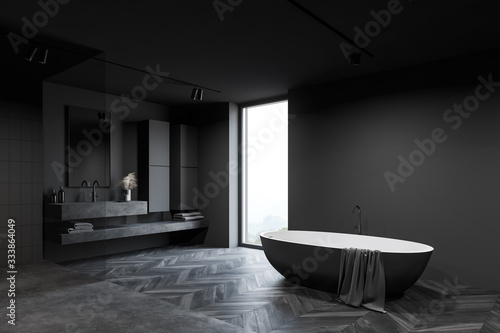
(197, 94)
(327, 25)
(354, 56)
(42, 58)
(42, 54)
(31, 53)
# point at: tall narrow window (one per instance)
(265, 170)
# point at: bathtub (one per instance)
(312, 258)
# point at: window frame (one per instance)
(243, 167)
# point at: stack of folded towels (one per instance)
(188, 216)
(81, 227)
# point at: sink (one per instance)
(88, 210)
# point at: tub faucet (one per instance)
(94, 193)
(358, 227)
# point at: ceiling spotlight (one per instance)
(42, 58)
(197, 94)
(31, 53)
(200, 94)
(354, 56)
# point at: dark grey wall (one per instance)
(21, 177)
(213, 196)
(218, 175)
(347, 134)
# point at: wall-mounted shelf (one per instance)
(89, 210)
(131, 230)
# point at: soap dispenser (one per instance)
(60, 195)
(53, 197)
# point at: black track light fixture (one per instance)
(32, 51)
(30, 54)
(43, 51)
(354, 56)
(197, 94)
(42, 57)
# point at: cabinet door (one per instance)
(159, 143)
(188, 186)
(159, 189)
(189, 146)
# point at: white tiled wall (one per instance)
(21, 179)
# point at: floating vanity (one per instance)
(90, 210)
(63, 213)
(131, 230)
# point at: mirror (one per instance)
(88, 146)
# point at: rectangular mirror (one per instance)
(88, 146)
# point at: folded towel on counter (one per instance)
(83, 224)
(362, 279)
(189, 218)
(83, 228)
(187, 214)
(74, 230)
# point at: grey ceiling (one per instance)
(260, 50)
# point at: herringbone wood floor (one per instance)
(240, 287)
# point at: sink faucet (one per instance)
(84, 183)
(94, 193)
(358, 227)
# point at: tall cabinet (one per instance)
(184, 167)
(154, 164)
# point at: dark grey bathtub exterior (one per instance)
(317, 267)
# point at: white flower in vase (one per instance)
(128, 183)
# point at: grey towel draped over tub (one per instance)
(362, 279)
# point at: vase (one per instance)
(127, 195)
